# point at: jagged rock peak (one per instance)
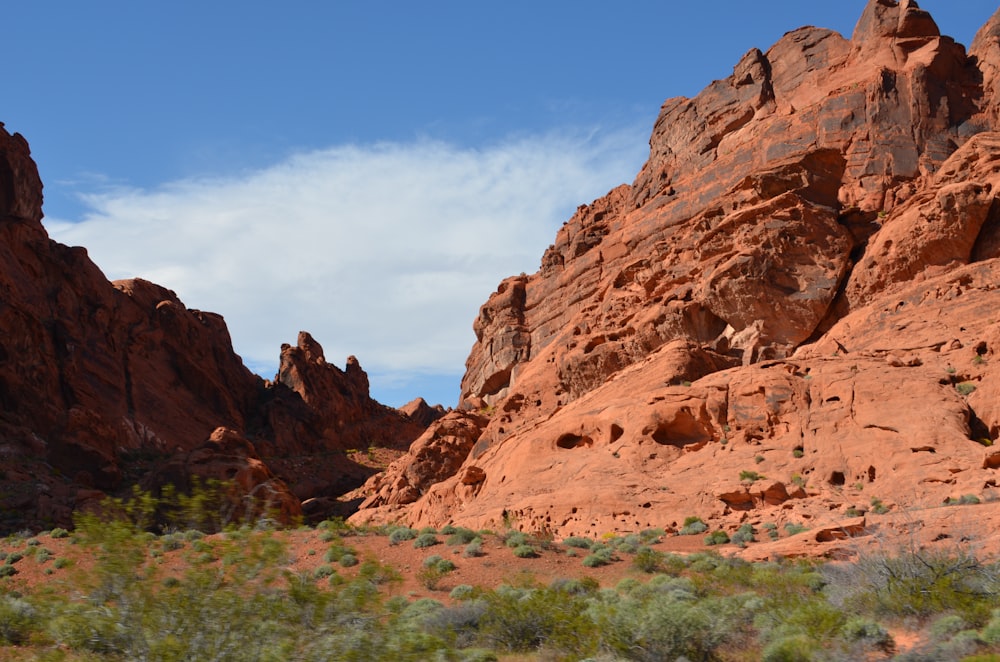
(887, 19)
(310, 347)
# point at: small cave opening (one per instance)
(871, 474)
(571, 440)
(836, 478)
(684, 429)
(616, 432)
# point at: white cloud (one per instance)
(383, 251)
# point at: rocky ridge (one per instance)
(106, 385)
(791, 315)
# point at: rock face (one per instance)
(100, 381)
(790, 312)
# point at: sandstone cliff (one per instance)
(791, 313)
(105, 384)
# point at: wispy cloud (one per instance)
(383, 251)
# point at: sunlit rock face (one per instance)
(795, 283)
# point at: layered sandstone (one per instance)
(791, 311)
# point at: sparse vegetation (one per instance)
(249, 603)
(750, 476)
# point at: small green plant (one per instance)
(750, 476)
(719, 537)
(772, 530)
(401, 534)
(965, 388)
(744, 535)
(426, 540)
(792, 528)
(348, 560)
(878, 507)
(579, 542)
(473, 549)
(758, 459)
(648, 560)
(525, 552)
(798, 453)
(59, 533)
(798, 480)
(978, 359)
(693, 526)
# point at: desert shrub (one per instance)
(18, 619)
(426, 540)
(916, 583)
(430, 576)
(693, 526)
(534, 619)
(744, 535)
(515, 539)
(460, 536)
(7, 570)
(323, 571)
(61, 563)
(378, 573)
(595, 561)
(793, 528)
(719, 537)
(652, 535)
(772, 530)
(579, 542)
(348, 560)
(750, 476)
(878, 507)
(473, 549)
(794, 648)
(525, 552)
(401, 534)
(965, 388)
(648, 559)
(59, 533)
(868, 632)
(629, 544)
(462, 592)
(665, 625)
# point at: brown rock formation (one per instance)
(799, 284)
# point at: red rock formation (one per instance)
(799, 284)
(96, 376)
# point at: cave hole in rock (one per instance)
(871, 474)
(616, 432)
(836, 478)
(981, 348)
(571, 440)
(833, 398)
(684, 429)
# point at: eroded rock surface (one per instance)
(788, 317)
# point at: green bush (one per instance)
(401, 534)
(59, 533)
(693, 526)
(473, 549)
(579, 542)
(459, 536)
(525, 552)
(348, 560)
(648, 560)
(18, 619)
(744, 535)
(426, 540)
(719, 537)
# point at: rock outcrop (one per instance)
(100, 382)
(789, 315)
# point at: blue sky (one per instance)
(367, 171)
